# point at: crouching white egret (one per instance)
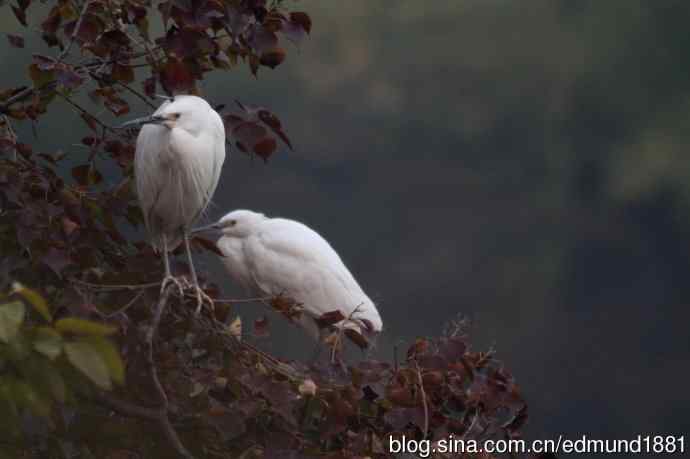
(280, 257)
(179, 155)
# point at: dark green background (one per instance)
(523, 163)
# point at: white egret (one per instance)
(277, 256)
(179, 155)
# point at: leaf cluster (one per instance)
(92, 377)
(44, 359)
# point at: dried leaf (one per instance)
(15, 40)
(272, 58)
(329, 318)
(261, 327)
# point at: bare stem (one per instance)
(75, 32)
(424, 402)
(114, 287)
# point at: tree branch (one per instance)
(114, 287)
(83, 111)
(77, 26)
(424, 403)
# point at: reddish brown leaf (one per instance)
(7, 145)
(122, 73)
(90, 121)
(419, 347)
(69, 78)
(249, 134)
(24, 149)
(208, 245)
(329, 318)
(114, 39)
(301, 18)
(254, 63)
(261, 327)
(117, 105)
(69, 226)
(176, 77)
(89, 29)
(357, 338)
(273, 58)
(20, 15)
(15, 40)
(86, 174)
(231, 122)
(149, 86)
(265, 148)
(274, 124)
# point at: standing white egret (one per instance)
(179, 156)
(277, 256)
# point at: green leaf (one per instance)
(111, 357)
(88, 360)
(56, 384)
(29, 397)
(34, 299)
(84, 327)
(11, 317)
(48, 342)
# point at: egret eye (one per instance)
(233, 222)
(177, 115)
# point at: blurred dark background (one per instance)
(523, 164)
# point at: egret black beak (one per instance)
(153, 119)
(213, 229)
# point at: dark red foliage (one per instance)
(255, 130)
(15, 40)
(225, 397)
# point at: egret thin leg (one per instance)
(168, 274)
(166, 261)
(200, 294)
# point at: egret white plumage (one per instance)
(277, 256)
(179, 155)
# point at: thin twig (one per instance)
(137, 93)
(149, 414)
(125, 307)
(424, 403)
(472, 424)
(75, 32)
(127, 408)
(21, 95)
(153, 371)
(114, 287)
(83, 111)
(259, 299)
(150, 335)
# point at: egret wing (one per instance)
(150, 171)
(288, 257)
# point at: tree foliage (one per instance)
(100, 374)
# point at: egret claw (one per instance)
(202, 297)
(167, 279)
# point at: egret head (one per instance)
(186, 112)
(240, 223)
(237, 224)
